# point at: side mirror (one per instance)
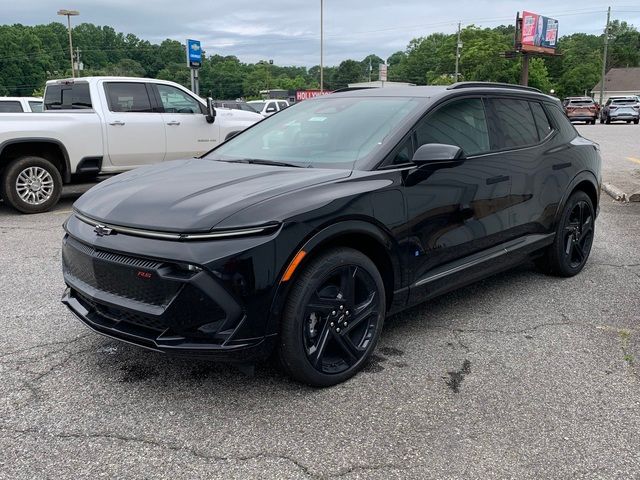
(211, 111)
(437, 152)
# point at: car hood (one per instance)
(192, 195)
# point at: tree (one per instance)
(349, 71)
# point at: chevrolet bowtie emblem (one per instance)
(102, 230)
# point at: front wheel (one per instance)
(570, 250)
(636, 121)
(332, 318)
(31, 184)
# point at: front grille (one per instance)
(117, 274)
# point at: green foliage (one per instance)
(31, 55)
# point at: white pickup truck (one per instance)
(104, 125)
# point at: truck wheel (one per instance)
(31, 184)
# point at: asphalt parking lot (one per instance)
(520, 376)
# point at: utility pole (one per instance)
(370, 69)
(69, 14)
(604, 56)
(458, 46)
(321, 46)
(78, 63)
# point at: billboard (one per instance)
(538, 33)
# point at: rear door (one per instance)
(187, 131)
(135, 130)
(455, 209)
(541, 160)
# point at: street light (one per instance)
(69, 14)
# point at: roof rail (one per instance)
(459, 85)
(351, 89)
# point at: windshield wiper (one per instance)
(258, 161)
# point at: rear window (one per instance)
(629, 101)
(73, 96)
(581, 102)
(10, 107)
(542, 121)
(517, 127)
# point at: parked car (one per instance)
(234, 105)
(104, 125)
(626, 109)
(20, 104)
(581, 109)
(266, 108)
(302, 233)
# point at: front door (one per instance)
(187, 130)
(456, 209)
(135, 132)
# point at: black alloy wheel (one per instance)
(568, 254)
(333, 318)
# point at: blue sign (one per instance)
(194, 53)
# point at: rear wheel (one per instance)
(608, 120)
(570, 250)
(332, 318)
(31, 184)
(636, 121)
(593, 122)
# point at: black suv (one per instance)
(305, 231)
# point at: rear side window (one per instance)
(282, 105)
(516, 126)
(35, 106)
(460, 122)
(542, 122)
(10, 107)
(128, 97)
(561, 122)
(74, 96)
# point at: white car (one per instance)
(104, 125)
(266, 108)
(20, 104)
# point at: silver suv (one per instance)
(619, 109)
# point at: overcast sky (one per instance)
(288, 31)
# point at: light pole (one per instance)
(69, 14)
(321, 46)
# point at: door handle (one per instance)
(173, 122)
(117, 123)
(498, 179)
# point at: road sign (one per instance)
(382, 72)
(194, 53)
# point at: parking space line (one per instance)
(633, 159)
(66, 212)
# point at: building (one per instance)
(619, 82)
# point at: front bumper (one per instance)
(163, 305)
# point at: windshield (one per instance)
(326, 133)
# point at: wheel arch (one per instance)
(360, 235)
(48, 148)
(585, 181)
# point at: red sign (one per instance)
(308, 94)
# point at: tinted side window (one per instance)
(74, 96)
(175, 100)
(542, 122)
(10, 107)
(127, 97)
(282, 105)
(561, 122)
(460, 122)
(516, 125)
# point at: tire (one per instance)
(628, 122)
(635, 122)
(593, 122)
(18, 193)
(330, 326)
(608, 120)
(573, 240)
(601, 120)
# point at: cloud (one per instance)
(288, 31)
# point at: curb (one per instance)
(618, 195)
